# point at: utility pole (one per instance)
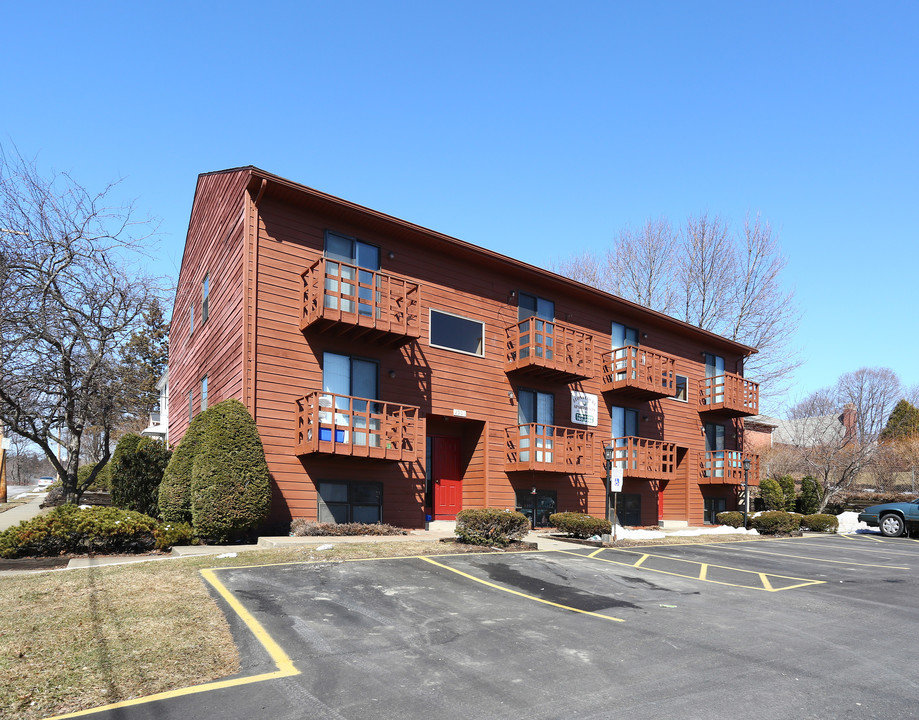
(4, 444)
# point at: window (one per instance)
(453, 332)
(714, 387)
(191, 404)
(625, 422)
(352, 284)
(352, 416)
(205, 285)
(204, 393)
(714, 437)
(537, 506)
(341, 502)
(681, 388)
(713, 506)
(622, 335)
(536, 415)
(532, 306)
(535, 407)
(191, 319)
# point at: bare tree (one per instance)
(835, 431)
(69, 301)
(709, 276)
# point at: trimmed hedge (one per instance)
(734, 518)
(137, 470)
(174, 495)
(776, 523)
(820, 523)
(771, 493)
(230, 485)
(69, 529)
(301, 527)
(491, 526)
(580, 525)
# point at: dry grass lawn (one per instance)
(78, 639)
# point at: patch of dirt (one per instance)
(34, 563)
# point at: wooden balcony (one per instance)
(548, 448)
(729, 394)
(638, 372)
(358, 427)
(350, 300)
(644, 459)
(549, 347)
(725, 467)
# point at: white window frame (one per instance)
(675, 385)
(431, 312)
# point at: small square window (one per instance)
(681, 388)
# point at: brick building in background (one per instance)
(395, 372)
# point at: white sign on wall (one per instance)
(615, 479)
(584, 408)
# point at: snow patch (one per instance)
(848, 523)
(327, 546)
(227, 555)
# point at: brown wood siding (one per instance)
(213, 248)
(260, 309)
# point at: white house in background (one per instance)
(159, 418)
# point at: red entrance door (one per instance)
(448, 479)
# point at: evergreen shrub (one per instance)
(580, 525)
(174, 495)
(772, 495)
(808, 501)
(820, 523)
(230, 485)
(491, 526)
(102, 481)
(733, 518)
(137, 470)
(787, 483)
(69, 529)
(776, 522)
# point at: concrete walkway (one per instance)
(25, 511)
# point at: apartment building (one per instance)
(396, 373)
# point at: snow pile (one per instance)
(715, 530)
(848, 523)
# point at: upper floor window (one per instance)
(681, 388)
(457, 333)
(531, 305)
(535, 407)
(346, 375)
(623, 335)
(205, 292)
(204, 393)
(352, 251)
(714, 365)
(714, 437)
(624, 422)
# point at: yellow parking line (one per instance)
(518, 593)
(703, 571)
(823, 560)
(285, 667)
(640, 560)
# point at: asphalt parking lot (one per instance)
(816, 627)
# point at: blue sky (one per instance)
(534, 129)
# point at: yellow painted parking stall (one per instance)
(701, 571)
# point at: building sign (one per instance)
(615, 479)
(584, 408)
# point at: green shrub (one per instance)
(137, 469)
(820, 523)
(230, 485)
(808, 501)
(491, 526)
(772, 495)
(580, 525)
(787, 483)
(69, 529)
(174, 497)
(101, 483)
(168, 534)
(776, 523)
(732, 518)
(304, 528)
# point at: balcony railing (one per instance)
(725, 467)
(729, 394)
(358, 427)
(643, 458)
(549, 448)
(335, 292)
(550, 346)
(638, 371)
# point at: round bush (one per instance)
(230, 485)
(137, 470)
(776, 523)
(820, 523)
(491, 526)
(733, 518)
(580, 525)
(771, 493)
